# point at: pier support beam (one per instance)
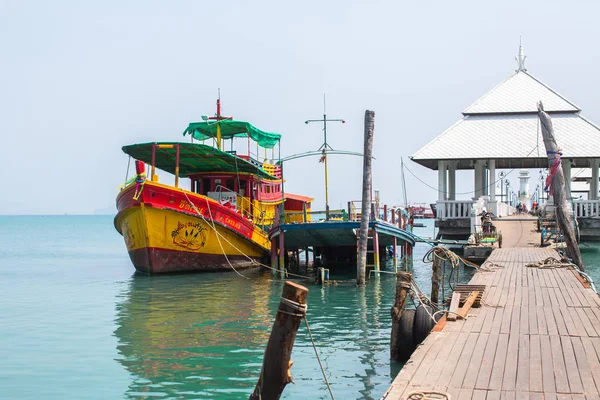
(566, 166)
(492, 180)
(452, 181)
(274, 253)
(395, 253)
(478, 179)
(442, 180)
(376, 249)
(281, 251)
(593, 195)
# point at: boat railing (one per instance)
(308, 216)
(453, 209)
(240, 203)
(586, 208)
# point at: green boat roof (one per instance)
(193, 159)
(229, 129)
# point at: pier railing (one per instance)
(586, 208)
(452, 209)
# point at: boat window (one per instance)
(242, 188)
(268, 188)
(229, 184)
(205, 186)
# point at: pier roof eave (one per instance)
(514, 141)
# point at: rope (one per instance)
(318, 359)
(552, 262)
(489, 266)
(428, 395)
(301, 308)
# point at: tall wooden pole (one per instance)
(366, 199)
(275, 373)
(558, 188)
(402, 287)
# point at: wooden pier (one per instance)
(535, 336)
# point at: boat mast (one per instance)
(325, 147)
(218, 118)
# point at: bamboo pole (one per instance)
(366, 199)
(275, 373)
(402, 287)
(558, 189)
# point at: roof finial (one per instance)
(521, 58)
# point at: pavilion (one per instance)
(501, 130)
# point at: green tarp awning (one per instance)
(229, 129)
(193, 159)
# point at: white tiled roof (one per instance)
(520, 93)
(511, 136)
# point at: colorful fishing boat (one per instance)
(221, 221)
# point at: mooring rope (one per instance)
(318, 359)
(428, 395)
(552, 262)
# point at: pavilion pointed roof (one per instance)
(519, 94)
(503, 125)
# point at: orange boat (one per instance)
(221, 222)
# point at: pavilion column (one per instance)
(594, 183)
(452, 181)
(492, 181)
(441, 180)
(478, 179)
(566, 166)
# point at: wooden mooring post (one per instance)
(436, 277)
(366, 199)
(557, 184)
(402, 288)
(275, 373)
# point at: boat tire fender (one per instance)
(423, 323)
(406, 342)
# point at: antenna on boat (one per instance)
(218, 118)
(325, 147)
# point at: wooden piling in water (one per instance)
(402, 288)
(366, 198)
(275, 373)
(436, 268)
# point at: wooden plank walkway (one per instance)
(536, 336)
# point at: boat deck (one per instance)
(535, 336)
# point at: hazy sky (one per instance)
(80, 79)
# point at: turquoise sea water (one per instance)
(76, 322)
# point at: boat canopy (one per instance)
(229, 129)
(193, 159)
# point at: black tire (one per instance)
(423, 324)
(406, 342)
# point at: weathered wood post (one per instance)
(402, 287)
(366, 199)
(557, 184)
(436, 268)
(275, 373)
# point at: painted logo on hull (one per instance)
(128, 236)
(189, 235)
